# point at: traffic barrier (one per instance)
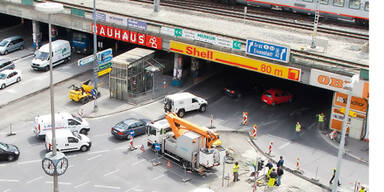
(270, 148)
(142, 148)
(169, 164)
(297, 164)
(254, 131)
(164, 84)
(333, 135)
(245, 119)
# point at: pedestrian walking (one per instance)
(320, 121)
(333, 177)
(280, 173)
(236, 172)
(280, 163)
(297, 131)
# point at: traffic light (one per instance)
(260, 165)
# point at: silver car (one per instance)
(11, 44)
(6, 63)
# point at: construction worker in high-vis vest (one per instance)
(272, 178)
(297, 130)
(362, 189)
(320, 121)
(236, 172)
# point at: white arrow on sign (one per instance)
(85, 60)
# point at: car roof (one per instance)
(130, 120)
(273, 90)
(8, 71)
(178, 96)
(13, 38)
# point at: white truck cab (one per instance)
(63, 120)
(184, 102)
(66, 141)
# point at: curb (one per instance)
(291, 170)
(336, 146)
(43, 89)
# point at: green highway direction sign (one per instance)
(105, 65)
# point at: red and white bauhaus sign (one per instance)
(128, 36)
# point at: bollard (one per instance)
(10, 131)
(211, 126)
(270, 148)
(254, 131)
(142, 148)
(164, 84)
(297, 164)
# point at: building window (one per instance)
(308, 1)
(339, 3)
(324, 2)
(354, 4)
(366, 6)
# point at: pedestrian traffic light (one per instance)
(260, 165)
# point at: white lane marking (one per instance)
(102, 151)
(77, 186)
(27, 162)
(106, 187)
(269, 122)
(35, 179)
(7, 190)
(138, 162)
(3, 165)
(71, 156)
(10, 180)
(286, 144)
(158, 177)
(123, 147)
(60, 183)
(94, 157)
(112, 172)
(132, 188)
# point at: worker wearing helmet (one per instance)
(236, 172)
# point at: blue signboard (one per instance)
(104, 56)
(136, 24)
(268, 51)
(132, 132)
(101, 16)
(157, 146)
(93, 92)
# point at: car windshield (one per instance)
(41, 55)
(152, 130)
(267, 94)
(3, 43)
(77, 118)
(2, 76)
(121, 125)
(3, 146)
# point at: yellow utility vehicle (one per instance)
(83, 93)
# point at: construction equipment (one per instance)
(196, 148)
(83, 93)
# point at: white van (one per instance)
(183, 102)
(61, 52)
(66, 140)
(63, 120)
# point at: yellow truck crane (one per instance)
(195, 147)
(82, 94)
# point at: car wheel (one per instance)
(203, 108)
(5, 52)
(290, 100)
(181, 113)
(46, 68)
(18, 79)
(2, 86)
(83, 148)
(84, 100)
(274, 104)
(84, 131)
(10, 158)
(21, 47)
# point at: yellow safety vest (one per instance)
(269, 173)
(271, 182)
(321, 118)
(235, 168)
(362, 190)
(298, 127)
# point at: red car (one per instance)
(276, 96)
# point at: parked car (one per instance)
(121, 129)
(11, 44)
(8, 77)
(61, 53)
(6, 63)
(9, 152)
(276, 96)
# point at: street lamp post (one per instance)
(51, 8)
(349, 86)
(95, 54)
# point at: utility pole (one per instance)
(95, 55)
